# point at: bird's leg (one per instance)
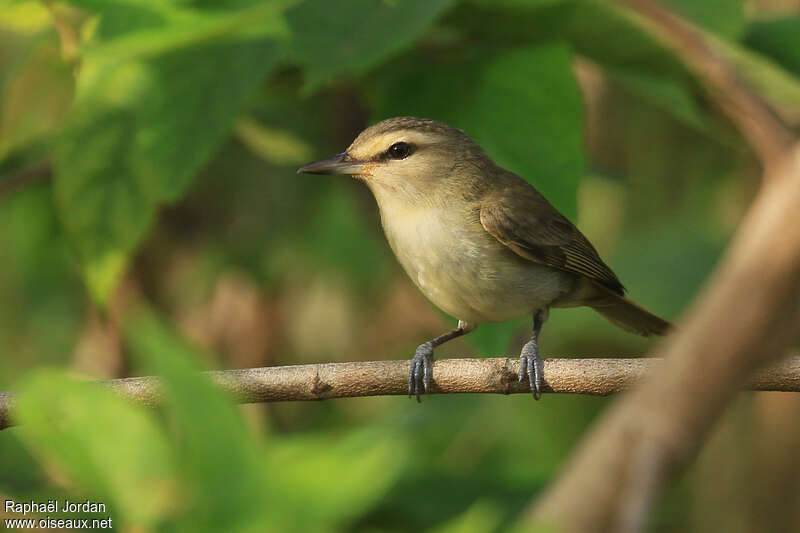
(422, 362)
(530, 363)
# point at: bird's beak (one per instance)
(337, 164)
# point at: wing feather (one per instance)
(525, 222)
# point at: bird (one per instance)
(481, 243)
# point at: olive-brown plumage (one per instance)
(479, 241)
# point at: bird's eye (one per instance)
(399, 150)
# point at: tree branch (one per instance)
(598, 377)
(748, 315)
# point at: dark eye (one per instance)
(399, 150)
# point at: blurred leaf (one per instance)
(335, 37)
(770, 81)
(648, 256)
(295, 484)
(220, 461)
(279, 147)
(160, 31)
(515, 3)
(35, 96)
(21, 471)
(43, 306)
(723, 17)
(600, 31)
(441, 89)
(778, 39)
(671, 96)
(528, 115)
(342, 476)
(24, 17)
(117, 17)
(339, 240)
(611, 36)
(137, 134)
(106, 444)
(481, 517)
(498, 340)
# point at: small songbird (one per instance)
(479, 241)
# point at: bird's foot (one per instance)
(419, 374)
(530, 366)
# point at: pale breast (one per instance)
(465, 271)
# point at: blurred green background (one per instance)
(163, 229)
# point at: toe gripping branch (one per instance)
(530, 364)
(421, 370)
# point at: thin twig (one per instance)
(385, 378)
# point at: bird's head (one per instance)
(408, 156)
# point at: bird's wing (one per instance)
(524, 221)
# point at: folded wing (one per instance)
(525, 222)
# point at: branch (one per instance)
(747, 316)
(598, 377)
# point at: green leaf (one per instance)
(671, 96)
(620, 41)
(36, 94)
(166, 30)
(226, 481)
(723, 17)
(778, 39)
(336, 37)
(37, 285)
(118, 17)
(274, 145)
(498, 340)
(516, 3)
(137, 133)
(529, 116)
(104, 443)
(362, 467)
(340, 242)
(483, 516)
(600, 31)
(308, 483)
(772, 82)
(24, 17)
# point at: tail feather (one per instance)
(627, 315)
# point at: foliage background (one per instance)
(175, 235)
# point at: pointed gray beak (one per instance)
(337, 164)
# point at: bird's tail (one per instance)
(627, 315)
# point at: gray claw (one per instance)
(530, 365)
(419, 373)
